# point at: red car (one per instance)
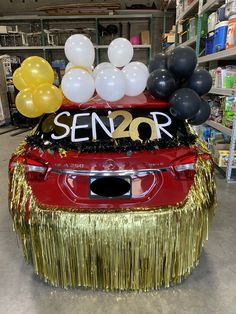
(116, 197)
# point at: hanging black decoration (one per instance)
(119, 145)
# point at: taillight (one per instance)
(184, 167)
(35, 169)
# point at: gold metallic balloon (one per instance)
(36, 70)
(47, 97)
(18, 80)
(25, 105)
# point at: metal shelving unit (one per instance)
(62, 47)
(223, 91)
(219, 127)
(43, 21)
(189, 9)
(229, 54)
(188, 42)
(192, 8)
(210, 4)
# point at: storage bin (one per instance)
(220, 35)
(222, 158)
(212, 20)
(231, 33)
(204, 20)
(220, 154)
(230, 9)
(209, 43)
(221, 14)
(192, 27)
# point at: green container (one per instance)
(204, 24)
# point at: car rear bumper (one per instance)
(135, 249)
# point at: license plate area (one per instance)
(110, 187)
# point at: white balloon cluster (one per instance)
(110, 82)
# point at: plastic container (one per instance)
(192, 28)
(212, 20)
(221, 14)
(230, 9)
(231, 33)
(209, 43)
(204, 22)
(220, 35)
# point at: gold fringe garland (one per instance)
(135, 250)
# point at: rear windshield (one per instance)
(111, 130)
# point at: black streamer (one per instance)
(111, 145)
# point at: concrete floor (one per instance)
(210, 289)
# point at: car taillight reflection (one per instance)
(184, 167)
(35, 169)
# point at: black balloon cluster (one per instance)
(176, 78)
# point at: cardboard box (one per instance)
(145, 38)
(169, 38)
(221, 155)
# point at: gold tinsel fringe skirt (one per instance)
(135, 250)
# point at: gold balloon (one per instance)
(81, 68)
(47, 97)
(18, 80)
(36, 70)
(25, 105)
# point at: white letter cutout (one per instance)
(62, 125)
(95, 118)
(161, 126)
(75, 127)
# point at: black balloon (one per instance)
(184, 103)
(161, 83)
(202, 115)
(182, 61)
(159, 61)
(200, 81)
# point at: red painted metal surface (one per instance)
(141, 101)
(152, 189)
(148, 189)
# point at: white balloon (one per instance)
(141, 65)
(79, 50)
(69, 66)
(78, 85)
(110, 84)
(120, 52)
(102, 66)
(135, 80)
